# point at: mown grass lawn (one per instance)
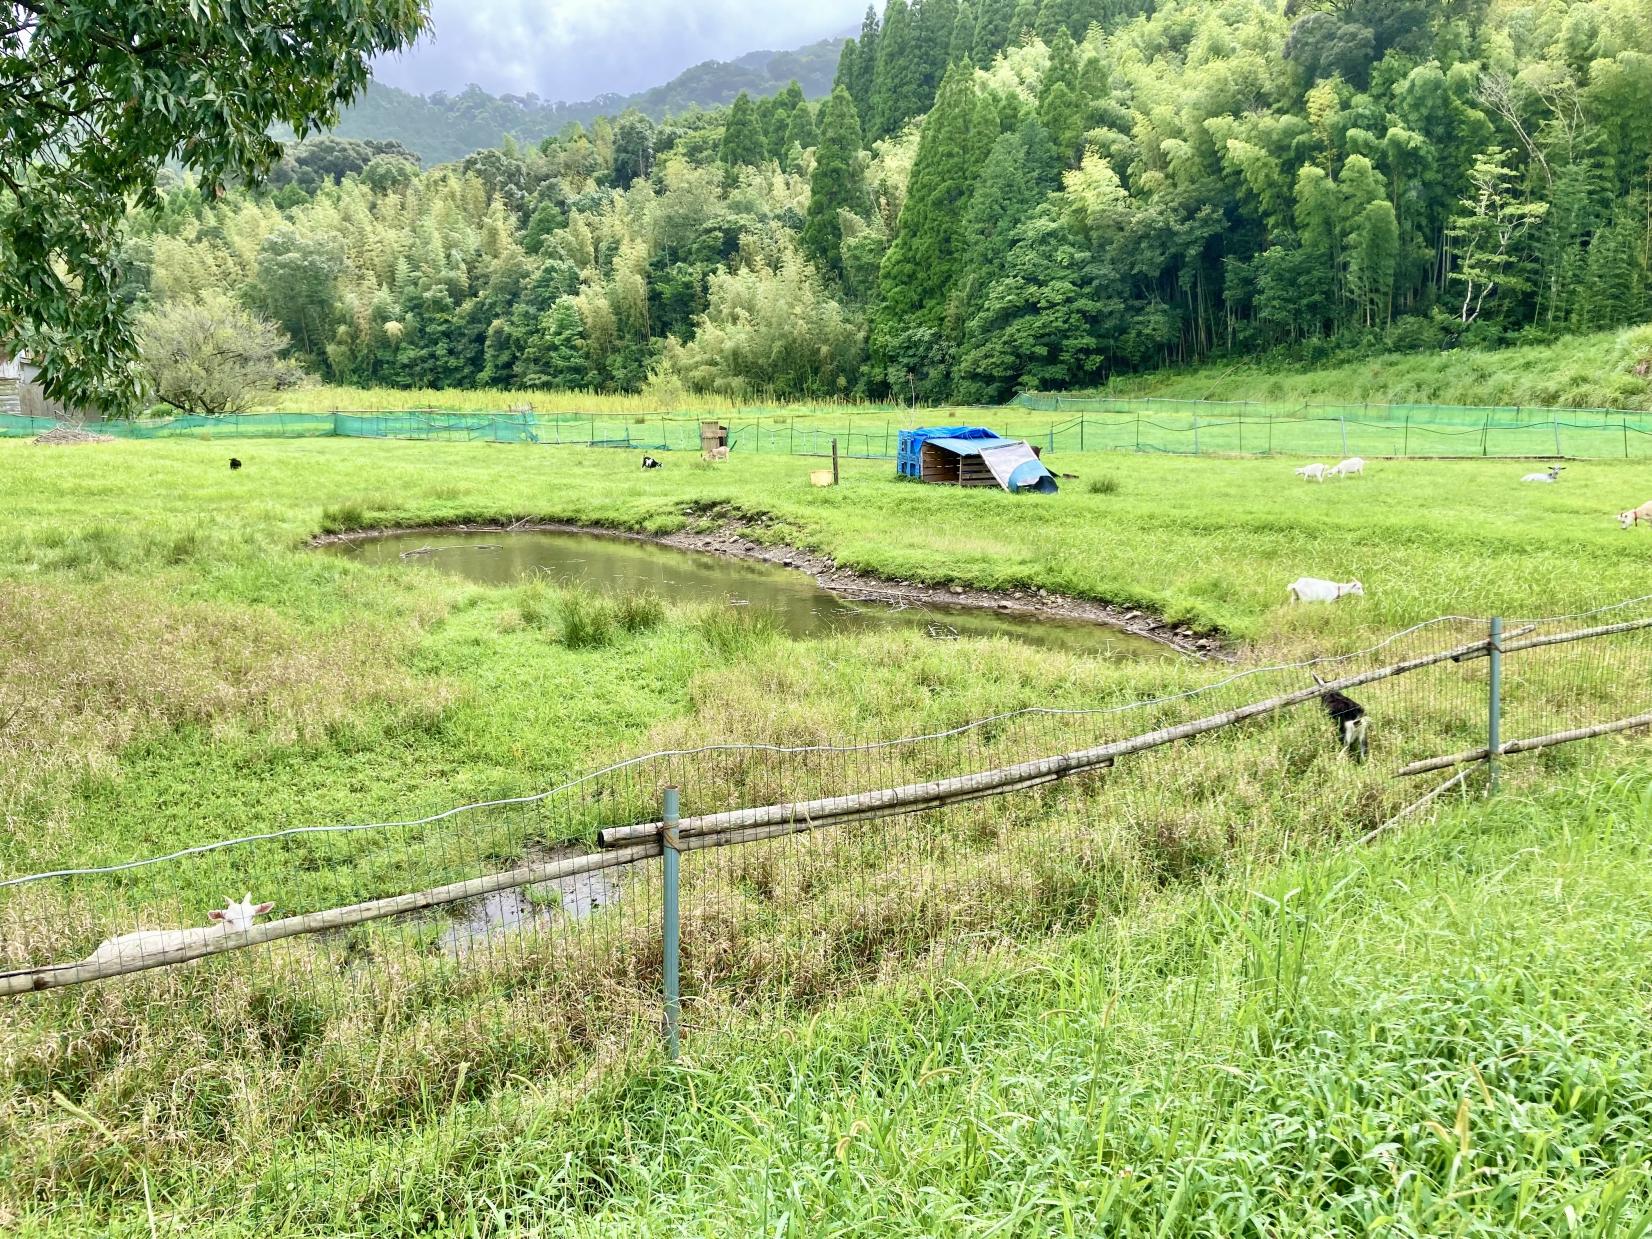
(181, 666)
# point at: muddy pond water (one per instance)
(801, 606)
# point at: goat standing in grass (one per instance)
(1635, 516)
(1350, 720)
(133, 948)
(1314, 472)
(1317, 589)
(1354, 465)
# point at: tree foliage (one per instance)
(212, 356)
(97, 97)
(1150, 185)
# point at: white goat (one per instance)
(1316, 472)
(1636, 515)
(1551, 475)
(1315, 589)
(132, 948)
(1350, 467)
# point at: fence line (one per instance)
(630, 844)
(659, 755)
(1147, 424)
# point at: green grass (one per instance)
(1444, 1034)
(180, 667)
(1587, 371)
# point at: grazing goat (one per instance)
(1636, 515)
(1349, 468)
(1551, 475)
(648, 462)
(1316, 589)
(717, 453)
(1315, 471)
(1349, 717)
(234, 918)
(234, 464)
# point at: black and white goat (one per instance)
(1350, 720)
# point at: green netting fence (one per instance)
(1054, 423)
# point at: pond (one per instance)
(802, 607)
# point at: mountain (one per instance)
(443, 127)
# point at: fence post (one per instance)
(1555, 422)
(1405, 448)
(1342, 420)
(671, 924)
(1494, 720)
(834, 462)
(1195, 434)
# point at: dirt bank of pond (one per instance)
(734, 540)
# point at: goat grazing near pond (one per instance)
(1350, 720)
(1317, 589)
(234, 918)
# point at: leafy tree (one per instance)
(924, 259)
(744, 142)
(1491, 221)
(866, 61)
(768, 331)
(212, 356)
(555, 355)
(633, 149)
(98, 97)
(1047, 322)
(992, 31)
(297, 282)
(1060, 108)
(800, 130)
(838, 183)
(898, 88)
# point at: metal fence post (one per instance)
(671, 924)
(1494, 720)
(1342, 421)
(1555, 422)
(1195, 434)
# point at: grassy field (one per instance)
(180, 667)
(1585, 372)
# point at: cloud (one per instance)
(571, 50)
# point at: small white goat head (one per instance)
(238, 916)
(1354, 587)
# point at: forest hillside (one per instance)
(997, 196)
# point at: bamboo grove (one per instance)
(998, 195)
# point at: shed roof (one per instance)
(972, 446)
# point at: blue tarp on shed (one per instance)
(1012, 462)
(909, 454)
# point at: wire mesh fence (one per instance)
(1053, 423)
(464, 955)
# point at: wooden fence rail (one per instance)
(623, 845)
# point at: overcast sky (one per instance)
(574, 49)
